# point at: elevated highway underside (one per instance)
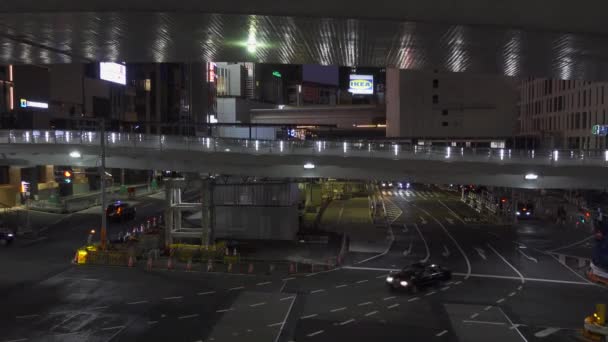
(516, 38)
(263, 165)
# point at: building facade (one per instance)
(561, 113)
(450, 105)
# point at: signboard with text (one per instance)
(599, 130)
(113, 72)
(361, 85)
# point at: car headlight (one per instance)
(403, 283)
(528, 213)
(517, 213)
(10, 234)
(389, 279)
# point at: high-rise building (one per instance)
(561, 113)
(450, 105)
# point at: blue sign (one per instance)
(361, 84)
(599, 130)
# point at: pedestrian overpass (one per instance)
(357, 159)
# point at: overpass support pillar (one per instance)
(208, 214)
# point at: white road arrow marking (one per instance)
(546, 332)
(426, 246)
(405, 229)
(408, 251)
(527, 256)
(446, 251)
(422, 220)
(450, 221)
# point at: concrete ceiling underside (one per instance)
(72, 34)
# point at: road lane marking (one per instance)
(572, 244)
(340, 286)
(393, 306)
(338, 309)
(450, 220)
(287, 298)
(521, 276)
(452, 211)
(187, 316)
(500, 300)
(422, 220)
(225, 310)
(274, 324)
(389, 298)
(446, 252)
(27, 316)
(315, 333)
(381, 276)
(113, 328)
(426, 246)
(413, 299)
(317, 291)
(430, 293)
(458, 282)
(571, 270)
(474, 315)
(285, 319)
(205, 293)
(511, 323)
(570, 282)
(519, 288)
(236, 288)
(511, 294)
(481, 252)
(309, 316)
(348, 321)
(439, 334)
(362, 281)
(365, 303)
(139, 302)
(264, 283)
(99, 307)
(487, 308)
(287, 279)
(483, 322)
(444, 288)
(466, 258)
(371, 313)
(17, 340)
(257, 304)
(173, 298)
(152, 322)
(546, 332)
(527, 256)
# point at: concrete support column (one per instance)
(14, 176)
(207, 217)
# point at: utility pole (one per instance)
(102, 173)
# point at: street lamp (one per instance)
(531, 176)
(75, 154)
(309, 166)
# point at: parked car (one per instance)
(417, 276)
(6, 236)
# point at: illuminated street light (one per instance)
(252, 44)
(309, 166)
(531, 176)
(75, 154)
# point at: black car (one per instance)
(120, 211)
(525, 211)
(6, 236)
(416, 276)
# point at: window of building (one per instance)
(584, 98)
(602, 94)
(444, 112)
(604, 120)
(577, 122)
(435, 99)
(584, 125)
(578, 103)
(444, 124)
(589, 102)
(435, 84)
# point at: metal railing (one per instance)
(351, 148)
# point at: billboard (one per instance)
(113, 72)
(361, 85)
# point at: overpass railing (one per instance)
(351, 148)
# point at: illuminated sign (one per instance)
(113, 72)
(599, 130)
(23, 103)
(211, 72)
(361, 84)
(277, 74)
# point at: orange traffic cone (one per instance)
(250, 270)
(130, 264)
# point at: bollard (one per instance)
(130, 264)
(148, 224)
(229, 267)
(250, 270)
(149, 263)
(170, 263)
(209, 265)
(189, 265)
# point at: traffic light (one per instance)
(67, 177)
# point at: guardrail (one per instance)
(352, 148)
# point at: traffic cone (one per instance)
(169, 263)
(209, 265)
(292, 268)
(149, 263)
(189, 265)
(250, 270)
(130, 264)
(229, 267)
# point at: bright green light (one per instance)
(276, 74)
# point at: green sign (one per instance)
(276, 74)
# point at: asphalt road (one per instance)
(500, 292)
